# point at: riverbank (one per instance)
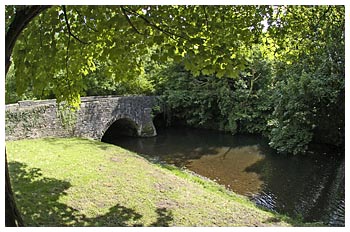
(80, 182)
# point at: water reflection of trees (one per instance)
(180, 146)
(301, 186)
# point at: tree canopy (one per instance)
(70, 39)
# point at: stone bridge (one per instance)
(35, 119)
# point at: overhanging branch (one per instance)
(84, 21)
(68, 26)
(129, 21)
(155, 26)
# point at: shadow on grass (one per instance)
(38, 200)
(37, 196)
(118, 215)
(164, 217)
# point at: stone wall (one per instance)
(35, 119)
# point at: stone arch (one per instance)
(121, 121)
(160, 120)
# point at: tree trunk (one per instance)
(22, 17)
(12, 217)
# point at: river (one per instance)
(311, 186)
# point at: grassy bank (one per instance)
(79, 182)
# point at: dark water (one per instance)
(311, 187)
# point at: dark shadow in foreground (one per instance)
(38, 201)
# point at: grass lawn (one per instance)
(80, 182)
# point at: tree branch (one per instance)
(68, 26)
(67, 58)
(129, 21)
(155, 26)
(86, 24)
(321, 18)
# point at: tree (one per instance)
(239, 105)
(75, 37)
(310, 78)
(20, 17)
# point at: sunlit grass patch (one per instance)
(80, 182)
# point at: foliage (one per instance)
(94, 84)
(71, 39)
(253, 94)
(98, 84)
(227, 104)
(10, 89)
(292, 126)
(309, 96)
(10, 95)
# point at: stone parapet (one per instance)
(35, 119)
